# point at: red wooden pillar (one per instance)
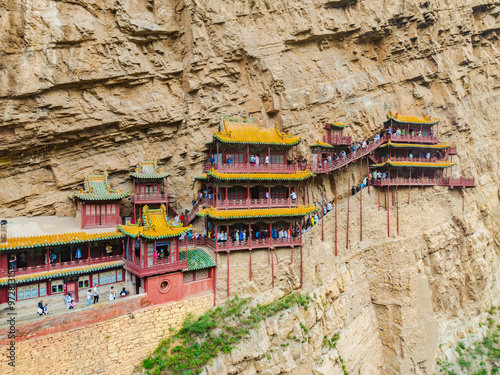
(361, 203)
(248, 157)
(422, 191)
(215, 279)
(218, 161)
(348, 195)
(397, 202)
(227, 252)
(378, 203)
(134, 198)
(322, 211)
(387, 208)
(269, 158)
(226, 198)
(409, 188)
(291, 241)
(270, 240)
(301, 264)
(307, 184)
(289, 199)
(272, 267)
(269, 194)
(335, 182)
(187, 252)
(216, 194)
(368, 173)
(250, 263)
(88, 253)
(214, 234)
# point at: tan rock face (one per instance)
(96, 85)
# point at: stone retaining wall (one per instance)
(113, 346)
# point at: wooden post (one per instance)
(307, 184)
(463, 199)
(361, 203)
(270, 239)
(378, 203)
(134, 198)
(322, 211)
(301, 266)
(397, 202)
(291, 241)
(335, 182)
(387, 208)
(272, 267)
(422, 191)
(368, 173)
(218, 161)
(227, 252)
(187, 252)
(216, 194)
(250, 253)
(88, 256)
(409, 188)
(348, 194)
(215, 279)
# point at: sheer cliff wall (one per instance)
(88, 86)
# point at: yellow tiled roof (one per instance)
(56, 239)
(97, 188)
(297, 176)
(233, 131)
(321, 144)
(155, 225)
(215, 213)
(417, 145)
(437, 164)
(412, 119)
(149, 170)
(338, 124)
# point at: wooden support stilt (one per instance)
(335, 182)
(250, 263)
(215, 279)
(378, 203)
(367, 173)
(463, 199)
(348, 195)
(301, 269)
(227, 253)
(291, 255)
(387, 208)
(397, 202)
(272, 267)
(361, 203)
(422, 191)
(409, 188)
(322, 210)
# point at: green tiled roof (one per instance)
(97, 188)
(149, 170)
(60, 273)
(198, 259)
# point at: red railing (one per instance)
(191, 215)
(253, 244)
(251, 203)
(414, 138)
(444, 181)
(192, 242)
(341, 162)
(158, 266)
(432, 159)
(338, 140)
(150, 198)
(245, 168)
(63, 265)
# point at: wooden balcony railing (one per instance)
(158, 266)
(248, 168)
(150, 198)
(444, 181)
(414, 138)
(251, 203)
(63, 265)
(432, 159)
(253, 244)
(338, 140)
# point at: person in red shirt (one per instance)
(181, 218)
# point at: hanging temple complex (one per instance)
(253, 196)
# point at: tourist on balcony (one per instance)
(384, 176)
(365, 182)
(229, 159)
(329, 206)
(374, 175)
(329, 159)
(252, 160)
(109, 249)
(155, 255)
(428, 155)
(212, 160)
(89, 297)
(96, 294)
(389, 130)
(364, 144)
(257, 161)
(78, 254)
(12, 261)
(410, 155)
(112, 295)
(181, 218)
(266, 160)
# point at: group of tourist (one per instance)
(254, 160)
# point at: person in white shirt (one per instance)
(267, 160)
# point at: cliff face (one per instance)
(94, 85)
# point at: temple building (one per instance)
(411, 154)
(251, 190)
(155, 262)
(97, 204)
(149, 186)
